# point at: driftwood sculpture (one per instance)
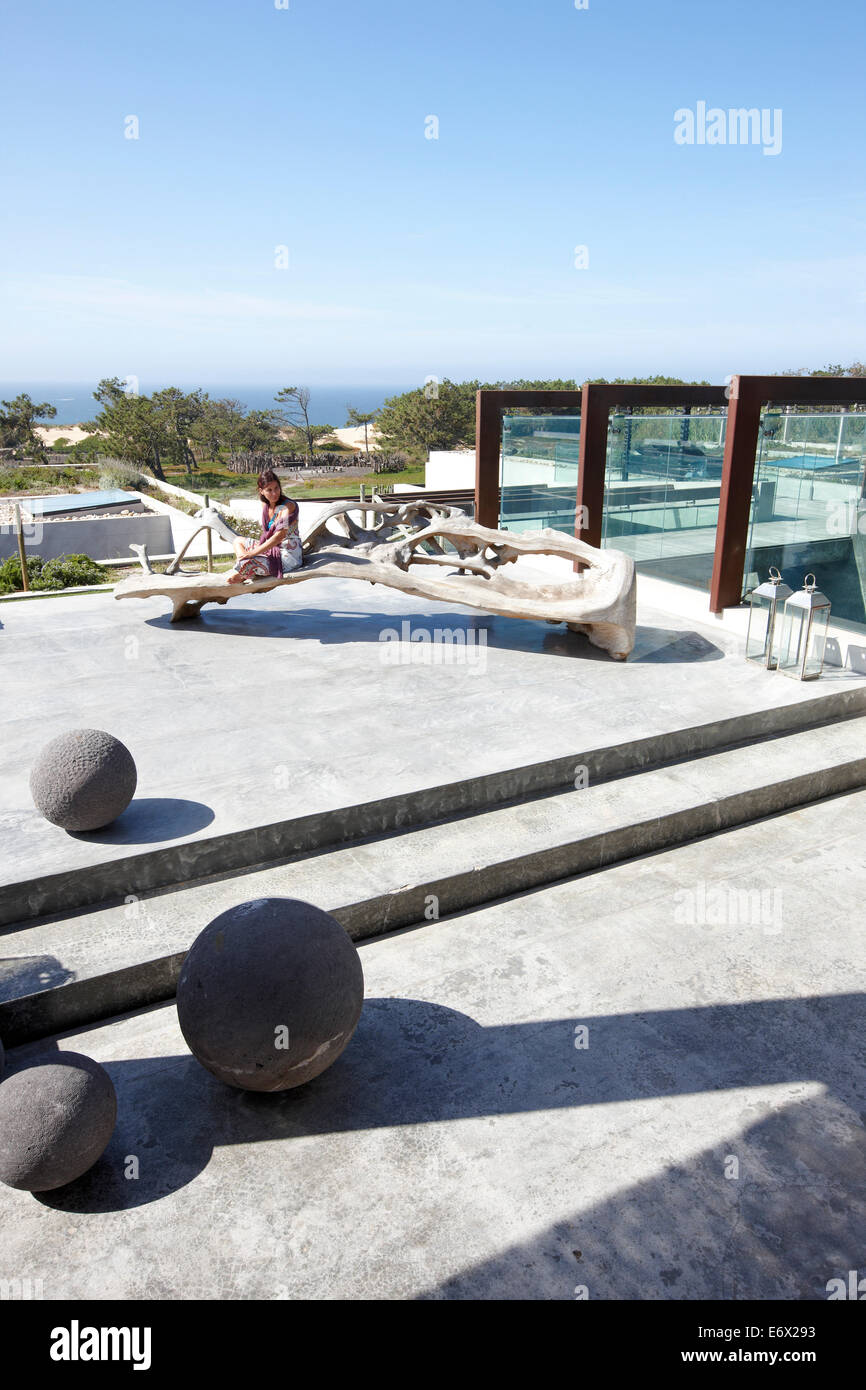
(432, 552)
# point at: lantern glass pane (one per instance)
(760, 630)
(794, 631)
(817, 643)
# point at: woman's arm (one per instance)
(275, 538)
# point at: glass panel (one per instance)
(760, 630)
(538, 477)
(661, 495)
(809, 505)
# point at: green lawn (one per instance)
(224, 486)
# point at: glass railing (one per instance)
(538, 478)
(661, 492)
(663, 485)
(809, 506)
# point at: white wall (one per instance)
(450, 468)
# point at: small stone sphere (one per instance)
(83, 780)
(56, 1119)
(270, 994)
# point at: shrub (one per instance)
(41, 478)
(64, 572)
(388, 463)
(117, 473)
(87, 449)
(244, 527)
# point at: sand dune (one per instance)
(74, 433)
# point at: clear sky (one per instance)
(305, 127)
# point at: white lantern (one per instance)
(761, 637)
(805, 621)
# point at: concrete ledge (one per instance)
(173, 864)
(377, 886)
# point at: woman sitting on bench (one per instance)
(278, 551)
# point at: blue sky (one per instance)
(407, 256)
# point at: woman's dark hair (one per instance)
(269, 476)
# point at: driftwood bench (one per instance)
(431, 552)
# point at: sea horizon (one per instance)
(74, 401)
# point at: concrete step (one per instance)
(69, 969)
(111, 875)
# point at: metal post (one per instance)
(209, 540)
(594, 411)
(735, 501)
(488, 443)
(25, 582)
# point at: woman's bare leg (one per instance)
(233, 577)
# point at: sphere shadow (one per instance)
(172, 1113)
(412, 1062)
(150, 820)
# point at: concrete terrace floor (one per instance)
(708, 1142)
(462, 1146)
(286, 703)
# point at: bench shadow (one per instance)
(477, 630)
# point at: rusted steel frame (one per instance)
(747, 396)
(489, 406)
(599, 398)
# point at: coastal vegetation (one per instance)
(219, 445)
(63, 572)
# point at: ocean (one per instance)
(74, 400)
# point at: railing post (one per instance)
(735, 500)
(592, 459)
(208, 540)
(488, 440)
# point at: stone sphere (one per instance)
(56, 1119)
(2, 1057)
(270, 994)
(83, 780)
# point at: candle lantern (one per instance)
(805, 620)
(765, 604)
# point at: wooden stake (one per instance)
(25, 582)
(209, 535)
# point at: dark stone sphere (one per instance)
(56, 1118)
(270, 994)
(83, 780)
(2, 1057)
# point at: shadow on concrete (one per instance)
(673, 646)
(21, 975)
(413, 1062)
(149, 820)
(338, 626)
(767, 1213)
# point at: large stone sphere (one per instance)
(56, 1119)
(270, 994)
(83, 780)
